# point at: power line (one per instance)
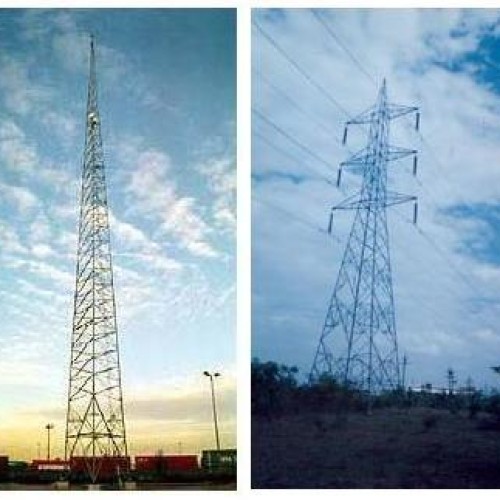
(451, 265)
(294, 216)
(360, 66)
(449, 261)
(443, 255)
(343, 46)
(293, 102)
(287, 154)
(313, 82)
(292, 139)
(363, 69)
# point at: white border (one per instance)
(243, 245)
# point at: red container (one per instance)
(166, 463)
(181, 462)
(108, 466)
(4, 466)
(147, 463)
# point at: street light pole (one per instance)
(214, 408)
(49, 427)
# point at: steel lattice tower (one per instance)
(95, 423)
(358, 344)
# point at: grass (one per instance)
(420, 448)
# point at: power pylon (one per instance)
(452, 381)
(358, 344)
(95, 424)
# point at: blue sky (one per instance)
(167, 100)
(446, 272)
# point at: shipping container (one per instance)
(219, 461)
(17, 469)
(147, 463)
(4, 467)
(18, 464)
(181, 462)
(54, 465)
(166, 463)
(109, 467)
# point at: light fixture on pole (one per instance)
(214, 408)
(49, 427)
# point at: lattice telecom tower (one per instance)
(358, 344)
(95, 424)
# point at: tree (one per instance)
(273, 387)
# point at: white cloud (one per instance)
(65, 126)
(21, 95)
(220, 173)
(156, 193)
(135, 244)
(40, 228)
(10, 130)
(487, 335)
(130, 234)
(24, 200)
(51, 274)
(11, 242)
(42, 251)
(16, 153)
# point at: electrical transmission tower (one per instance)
(452, 381)
(95, 425)
(358, 344)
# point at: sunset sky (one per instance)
(167, 100)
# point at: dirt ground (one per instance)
(420, 448)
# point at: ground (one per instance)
(199, 486)
(392, 448)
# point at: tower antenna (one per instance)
(95, 425)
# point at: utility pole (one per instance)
(358, 344)
(405, 365)
(49, 427)
(95, 424)
(214, 408)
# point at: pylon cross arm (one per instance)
(360, 201)
(396, 110)
(392, 111)
(367, 156)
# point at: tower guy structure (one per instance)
(95, 425)
(358, 344)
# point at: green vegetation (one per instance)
(276, 391)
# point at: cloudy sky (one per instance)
(311, 71)
(167, 100)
